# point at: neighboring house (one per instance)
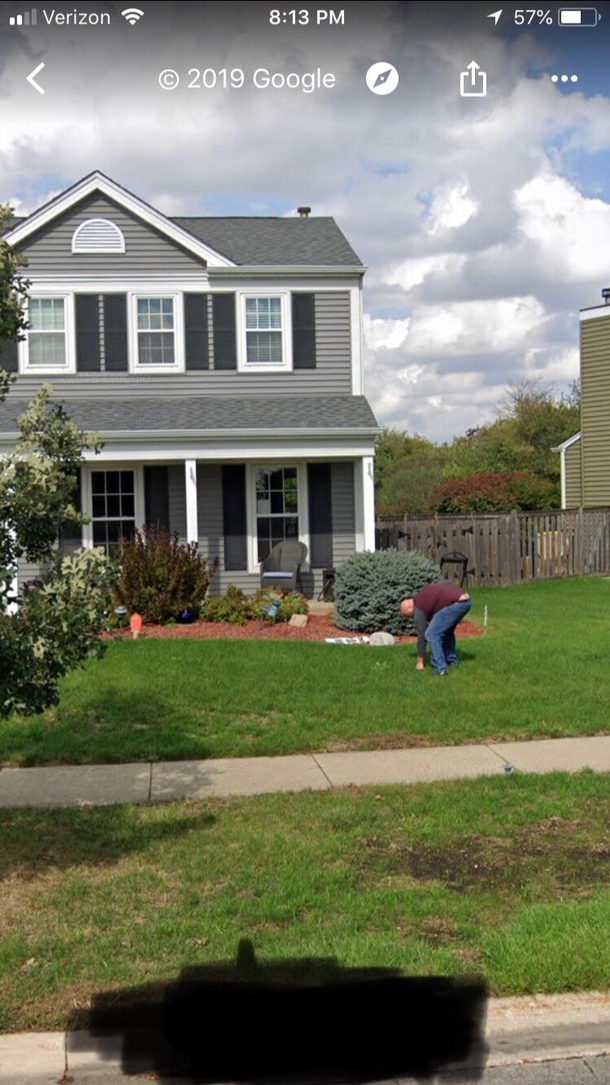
(585, 457)
(221, 360)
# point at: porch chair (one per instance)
(282, 569)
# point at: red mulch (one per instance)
(317, 629)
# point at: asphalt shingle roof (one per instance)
(206, 413)
(286, 241)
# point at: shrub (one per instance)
(369, 588)
(234, 606)
(494, 491)
(291, 603)
(160, 576)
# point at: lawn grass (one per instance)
(504, 877)
(541, 671)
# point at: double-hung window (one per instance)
(264, 339)
(47, 333)
(277, 507)
(113, 514)
(156, 330)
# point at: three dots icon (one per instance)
(564, 79)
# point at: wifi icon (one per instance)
(133, 15)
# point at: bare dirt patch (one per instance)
(555, 849)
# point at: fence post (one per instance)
(514, 555)
(580, 532)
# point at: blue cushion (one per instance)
(279, 576)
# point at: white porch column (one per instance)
(364, 487)
(190, 481)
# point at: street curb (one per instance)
(538, 1028)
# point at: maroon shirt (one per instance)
(434, 597)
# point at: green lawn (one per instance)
(505, 877)
(541, 671)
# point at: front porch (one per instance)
(236, 510)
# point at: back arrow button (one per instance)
(31, 78)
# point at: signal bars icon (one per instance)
(29, 18)
(132, 15)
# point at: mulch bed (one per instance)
(317, 629)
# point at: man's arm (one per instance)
(421, 624)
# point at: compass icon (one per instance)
(382, 78)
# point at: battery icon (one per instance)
(578, 16)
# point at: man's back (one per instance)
(434, 597)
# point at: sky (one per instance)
(484, 222)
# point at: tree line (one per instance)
(503, 465)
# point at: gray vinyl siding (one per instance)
(177, 499)
(147, 251)
(26, 572)
(344, 521)
(331, 377)
(573, 476)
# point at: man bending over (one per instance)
(436, 610)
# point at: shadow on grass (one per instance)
(35, 840)
(305, 1021)
(107, 725)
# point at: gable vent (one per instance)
(98, 235)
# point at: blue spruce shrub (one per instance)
(369, 588)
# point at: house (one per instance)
(585, 457)
(220, 359)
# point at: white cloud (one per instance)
(384, 334)
(569, 233)
(451, 208)
(475, 327)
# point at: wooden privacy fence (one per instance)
(509, 548)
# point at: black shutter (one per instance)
(234, 516)
(9, 358)
(156, 497)
(115, 332)
(196, 331)
(225, 348)
(304, 331)
(70, 533)
(320, 516)
(87, 310)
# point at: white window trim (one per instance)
(243, 365)
(132, 331)
(251, 517)
(97, 221)
(87, 494)
(69, 365)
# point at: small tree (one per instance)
(55, 627)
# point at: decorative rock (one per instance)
(299, 620)
(381, 640)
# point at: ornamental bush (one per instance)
(369, 588)
(234, 606)
(160, 576)
(494, 491)
(290, 603)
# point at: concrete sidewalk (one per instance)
(541, 1029)
(165, 781)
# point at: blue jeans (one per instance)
(440, 635)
